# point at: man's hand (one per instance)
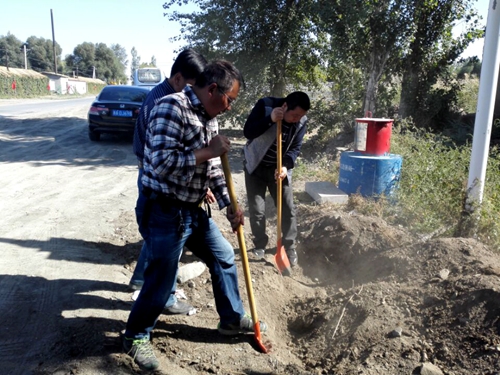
(235, 218)
(278, 113)
(210, 197)
(281, 175)
(219, 145)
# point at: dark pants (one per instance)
(257, 183)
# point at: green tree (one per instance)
(367, 36)
(11, 53)
(88, 57)
(274, 43)
(431, 51)
(135, 64)
(121, 54)
(41, 54)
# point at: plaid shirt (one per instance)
(178, 125)
(158, 92)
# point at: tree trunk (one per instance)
(409, 88)
(377, 64)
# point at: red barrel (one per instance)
(373, 135)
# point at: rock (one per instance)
(444, 273)
(397, 332)
(430, 369)
(190, 271)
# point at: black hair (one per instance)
(189, 63)
(221, 72)
(298, 99)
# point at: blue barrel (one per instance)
(369, 176)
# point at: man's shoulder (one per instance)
(270, 101)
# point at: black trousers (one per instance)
(257, 184)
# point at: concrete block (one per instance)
(323, 192)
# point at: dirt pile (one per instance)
(367, 299)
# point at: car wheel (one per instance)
(94, 136)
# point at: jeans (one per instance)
(142, 261)
(262, 179)
(166, 231)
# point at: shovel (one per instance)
(281, 259)
(244, 255)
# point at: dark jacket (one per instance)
(260, 131)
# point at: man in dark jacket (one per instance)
(261, 162)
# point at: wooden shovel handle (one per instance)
(279, 201)
(243, 252)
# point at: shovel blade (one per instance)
(281, 260)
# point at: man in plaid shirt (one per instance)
(181, 161)
(187, 66)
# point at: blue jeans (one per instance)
(166, 231)
(142, 261)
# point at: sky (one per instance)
(130, 23)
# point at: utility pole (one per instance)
(53, 42)
(93, 72)
(25, 60)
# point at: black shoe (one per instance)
(180, 308)
(142, 353)
(292, 257)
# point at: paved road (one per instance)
(22, 107)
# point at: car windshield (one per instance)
(123, 95)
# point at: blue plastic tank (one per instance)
(370, 176)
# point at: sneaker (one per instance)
(180, 308)
(245, 326)
(259, 253)
(135, 284)
(292, 257)
(141, 351)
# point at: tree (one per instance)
(136, 62)
(274, 43)
(11, 53)
(87, 56)
(431, 51)
(365, 35)
(121, 54)
(41, 54)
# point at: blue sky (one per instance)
(130, 23)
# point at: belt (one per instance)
(166, 201)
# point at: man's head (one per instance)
(187, 66)
(297, 106)
(218, 86)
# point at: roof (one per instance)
(16, 72)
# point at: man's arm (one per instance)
(257, 122)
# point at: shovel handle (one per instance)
(243, 251)
(279, 201)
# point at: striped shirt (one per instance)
(178, 125)
(158, 92)
(271, 156)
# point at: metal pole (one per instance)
(484, 111)
(53, 42)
